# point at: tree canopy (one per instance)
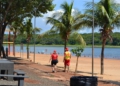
(106, 17)
(18, 10)
(65, 23)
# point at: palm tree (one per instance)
(29, 32)
(106, 17)
(14, 27)
(65, 22)
(77, 37)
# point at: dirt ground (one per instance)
(111, 76)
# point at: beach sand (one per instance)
(111, 66)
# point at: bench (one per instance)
(19, 72)
(20, 78)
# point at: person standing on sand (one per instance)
(66, 60)
(54, 60)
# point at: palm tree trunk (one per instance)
(14, 43)
(102, 56)
(28, 50)
(65, 44)
(13, 48)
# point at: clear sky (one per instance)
(78, 4)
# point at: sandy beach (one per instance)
(111, 66)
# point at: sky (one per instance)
(40, 22)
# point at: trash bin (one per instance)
(83, 81)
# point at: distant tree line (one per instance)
(56, 39)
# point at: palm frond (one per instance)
(78, 38)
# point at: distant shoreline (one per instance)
(110, 52)
(107, 46)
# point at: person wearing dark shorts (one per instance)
(54, 60)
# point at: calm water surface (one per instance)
(109, 52)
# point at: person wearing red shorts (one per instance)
(54, 60)
(66, 60)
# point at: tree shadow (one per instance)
(86, 72)
(48, 65)
(60, 67)
(16, 60)
(116, 83)
(102, 81)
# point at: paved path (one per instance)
(41, 75)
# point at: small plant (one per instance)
(77, 51)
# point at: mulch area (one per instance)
(45, 71)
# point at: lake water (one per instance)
(108, 52)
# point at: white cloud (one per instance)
(118, 1)
(41, 22)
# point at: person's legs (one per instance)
(56, 65)
(53, 68)
(67, 69)
(54, 62)
(64, 66)
(67, 65)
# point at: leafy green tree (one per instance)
(18, 10)
(65, 23)
(106, 17)
(56, 39)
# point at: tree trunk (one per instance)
(76, 66)
(14, 43)
(28, 50)
(13, 48)
(1, 38)
(0, 44)
(102, 56)
(3, 52)
(2, 30)
(65, 44)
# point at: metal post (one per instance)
(34, 31)
(34, 35)
(93, 42)
(9, 43)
